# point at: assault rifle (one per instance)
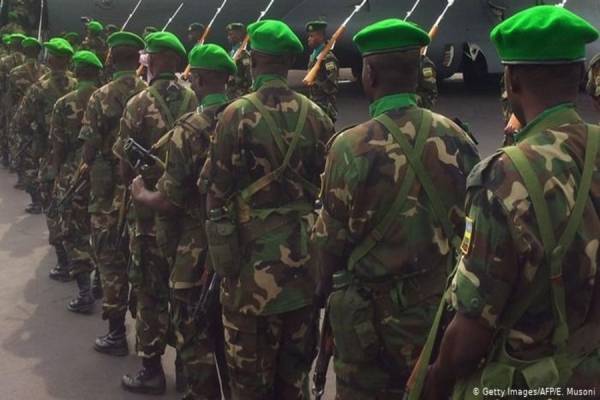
(82, 182)
(139, 157)
(208, 302)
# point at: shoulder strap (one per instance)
(267, 179)
(386, 222)
(163, 105)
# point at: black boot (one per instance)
(97, 286)
(62, 271)
(115, 342)
(150, 380)
(36, 202)
(181, 383)
(84, 302)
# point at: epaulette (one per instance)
(332, 139)
(188, 121)
(481, 170)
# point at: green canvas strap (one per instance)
(272, 176)
(165, 108)
(382, 228)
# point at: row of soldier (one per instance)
(231, 187)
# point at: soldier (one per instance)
(26, 14)
(14, 24)
(195, 32)
(239, 83)
(390, 218)
(74, 39)
(66, 146)
(148, 30)
(110, 29)
(533, 212)
(19, 80)
(263, 172)
(4, 45)
(427, 91)
(178, 195)
(107, 203)
(324, 90)
(593, 81)
(148, 116)
(94, 41)
(32, 122)
(7, 63)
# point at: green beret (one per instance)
(31, 42)
(196, 26)
(316, 26)
(236, 27)
(162, 41)
(274, 37)
(59, 47)
(13, 15)
(213, 57)
(6, 39)
(74, 35)
(390, 35)
(543, 34)
(86, 58)
(111, 27)
(95, 26)
(150, 29)
(124, 38)
(17, 36)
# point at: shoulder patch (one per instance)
(330, 66)
(427, 72)
(465, 246)
(246, 62)
(338, 133)
(476, 176)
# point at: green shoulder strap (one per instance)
(266, 180)
(381, 229)
(165, 108)
(555, 252)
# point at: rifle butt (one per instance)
(186, 73)
(140, 70)
(514, 122)
(310, 78)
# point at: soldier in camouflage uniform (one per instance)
(179, 196)
(32, 122)
(324, 89)
(27, 14)
(5, 45)
(148, 116)
(195, 32)
(66, 146)
(108, 203)
(74, 39)
(110, 29)
(7, 63)
(526, 305)
(593, 81)
(389, 286)
(94, 40)
(19, 80)
(240, 83)
(427, 91)
(263, 178)
(14, 25)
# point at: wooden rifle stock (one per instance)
(186, 73)
(514, 122)
(432, 34)
(242, 47)
(312, 74)
(140, 70)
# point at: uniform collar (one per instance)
(271, 79)
(214, 99)
(555, 116)
(234, 49)
(317, 51)
(165, 76)
(85, 84)
(122, 74)
(392, 102)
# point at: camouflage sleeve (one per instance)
(488, 267)
(25, 119)
(129, 125)
(329, 73)
(178, 169)
(58, 124)
(427, 87)
(92, 124)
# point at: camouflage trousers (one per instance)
(269, 357)
(46, 189)
(149, 276)
(376, 363)
(30, 166)
(196, 347)
(112, 263)
(75, 235)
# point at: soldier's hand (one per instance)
(137, 187)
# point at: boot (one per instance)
(36, 203)
(84, 302)
(62, 271)
(97, 286)
(150, 380)
(115, 342)
(181, 383)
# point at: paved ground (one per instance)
(46, 351)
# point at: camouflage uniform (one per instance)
(32, 122)
(7, 64)
(324, 90)
(186, 153)
(75, 218)
(504, 251)
(240, 84)
(100, 129)
(28, 12)
(145, 121)
(593, 79)
(19, 80)
(397, 285)
(95, 44)
(268, 310)
(427, 91)
(506, 113)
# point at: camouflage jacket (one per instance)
(7, 63)
(32, 120)
(365, 169)
(503, 250)
(145, 121)
(593, 78)
(427, 91)
(21, 78)
(186, 154)
(241, 83)
(64, 131)
(100, 128)
(95, 44)
(277, 270)
(28, 12)
(325, 88)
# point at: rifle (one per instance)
(122, 29)
(140, 69)
(562, 4)
(80, 183)
(186, 73)
(122, 222)
(244, 44)
(312, 74)
(139, 157)
(41, 19)
(323, 358)
(408, 14)
(434, 29)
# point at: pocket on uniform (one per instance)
(102, 180)
(224, 248)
